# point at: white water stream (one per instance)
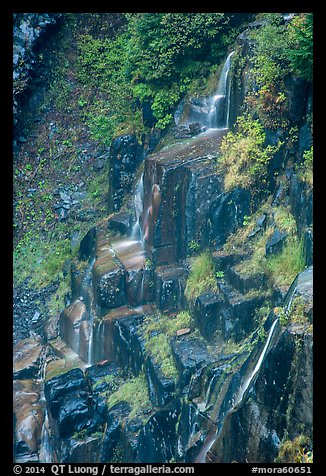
(212, 436)
(219, 104)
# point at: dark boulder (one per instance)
(120, 223)
(237, 316)
(87, 244)
(169, 285)
(297, 92)
(276, 242)
(190, 354)
(113, 435)
(188, 130)
(158, 440)
(227, 214)
(109, 282)
(76, 413)
(58, 387)
(161, 388)
(206, 312)
(301, 202)
(246, 282)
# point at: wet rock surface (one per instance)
(103, 341)
(29, 412)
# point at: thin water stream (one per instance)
(213, 435)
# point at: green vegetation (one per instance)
(155, 59)
(298, 450)
(41, 261)
(281, 268)
(243, 156)
(57, 301)
(298, 314)
(284, 267)
(279, 48)
(305, 170)
(157, 331)
(202, 276)
(135, 393)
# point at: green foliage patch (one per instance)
(135, 393)
(243, 156)
(202, 276)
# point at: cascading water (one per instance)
(138, 208)
(219, 104)
(130, 251)
(252, 375)
(212, 436)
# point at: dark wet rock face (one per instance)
(71, 404)
(28, 419)
(227, 214)
(211, 384)
(125, 155)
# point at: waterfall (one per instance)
(138, 208)
(212, 436)
(219, 104)
(250, 378)
(45, 453)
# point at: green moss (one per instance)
(57, 303)
(305, 170)
(298, 450)
(157, 331)
(135, 393)
(284, 266)
(202, 276)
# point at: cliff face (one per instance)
(139, 368)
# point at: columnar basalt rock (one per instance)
(205, 400)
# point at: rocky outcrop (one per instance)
(125, 156)
(229, 385)
(29, 415)
(28, 30)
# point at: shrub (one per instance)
(301, 45)
(298, 450)
(243, 157)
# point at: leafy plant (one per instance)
(243, 156)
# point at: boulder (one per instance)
(158, 439)
(120, 223)
(161, 388)
(57, 388)
(227, 213)
(169, 285)
(246, 282)
(206, 312)
(29, 417)
(28, 358)
(87, 244)
(77, 412)
(109, 282)
(276, 242)
(190, 354)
